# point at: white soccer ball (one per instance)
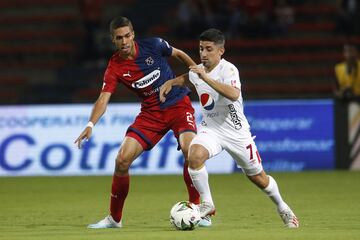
(185, 215)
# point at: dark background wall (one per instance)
(55, 51)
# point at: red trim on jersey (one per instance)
(258, 156)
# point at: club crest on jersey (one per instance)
(207, 102)
(147, 80)
(149, 61)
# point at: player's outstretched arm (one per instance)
(182, 57)
(181, 80)
(96, 113)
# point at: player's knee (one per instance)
(123, 163)
(121, 167)
(196, 159)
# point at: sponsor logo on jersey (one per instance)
(147, 80)
(212, 114)
(234, 117)
(151, 92)
(207, 102)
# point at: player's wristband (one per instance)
(90, 124)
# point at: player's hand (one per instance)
(85, 135)
(198, 70)
(164, 90)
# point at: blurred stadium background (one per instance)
(55, 52)
(57, 49)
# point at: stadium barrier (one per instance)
(292, 135)
(349, 157)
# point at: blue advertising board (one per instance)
(293, 135)
(39, 139)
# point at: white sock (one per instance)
(272, 191)
(200, 179)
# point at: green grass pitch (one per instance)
(326, 203)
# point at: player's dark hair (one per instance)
(119, 22)
(213, 35)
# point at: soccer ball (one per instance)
(185, 215)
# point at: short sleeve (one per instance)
(231, 76)
(192, 77)
(110, 80)
(164, 47)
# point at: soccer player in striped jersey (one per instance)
(141, 66)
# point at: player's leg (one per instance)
(247, 156)
(200, 179)
(181, 115)
(130, 149)
(197, 156)
(184, 141)
(198, 172)
(203, 147)
(269, 186)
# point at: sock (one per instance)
(119, 192)
(194, 195)
(272, 191)
(200, 179)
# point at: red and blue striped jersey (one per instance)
(144, 74)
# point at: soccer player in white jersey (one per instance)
(224, 125)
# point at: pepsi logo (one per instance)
(207, 102)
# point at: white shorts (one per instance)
(242, 150)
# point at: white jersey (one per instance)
(221, 114)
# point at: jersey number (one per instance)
(190, 119)
(251, 153)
